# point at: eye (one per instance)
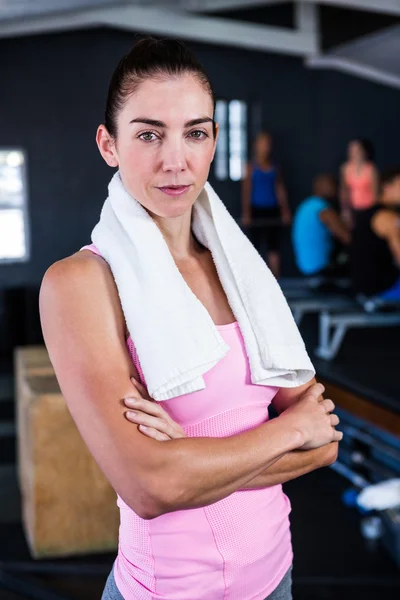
(148, 136)
(198, 134)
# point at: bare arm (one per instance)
(293, 465)
(79, 305)
(298, 462)
(375, 182)
(160, 426)
(336, 225)
(281, 194)
(246, 195)
(344, 191)
(386, 225)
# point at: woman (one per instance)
(191, 495)
(264, 197)
(358, 180)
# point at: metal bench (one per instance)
(315, 303)
(334, 326)
(297, 288)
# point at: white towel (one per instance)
(174, 335)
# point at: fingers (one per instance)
(334, 420)
(328, 405)
(148, 406)
(337, 436)
(141, 389)
(154, 434)
(157, 423)
(315, 390)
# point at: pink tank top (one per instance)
(361, 187)
(236, 549)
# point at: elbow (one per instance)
(157, 499)
(146, 507)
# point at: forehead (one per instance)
(168, 99)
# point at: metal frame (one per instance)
(314, 304)
(333, 328)
(346, 65)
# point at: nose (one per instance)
(174, 158)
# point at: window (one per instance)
(231, 151)
(13, 207)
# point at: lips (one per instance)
(174, 190)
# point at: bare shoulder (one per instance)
(385, 223)
(248, 169)
(82, 268)
(344, 168)
(81, 280)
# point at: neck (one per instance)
(263, 162)
(179, 237)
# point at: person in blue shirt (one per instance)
(317, 228)
(264, 198)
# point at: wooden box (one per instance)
(68, 505)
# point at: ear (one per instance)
(106, 146)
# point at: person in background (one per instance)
(375, 247)
(359, 180)
(317, 226)
(264, 197)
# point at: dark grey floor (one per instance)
(332, 560)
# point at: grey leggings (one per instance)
(282, 592)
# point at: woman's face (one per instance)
(165, 144)
(356, 152)
(263, 145)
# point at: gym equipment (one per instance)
(334, 326)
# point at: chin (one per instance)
(172, 207)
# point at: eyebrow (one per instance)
(155, 123)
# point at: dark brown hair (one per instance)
(150, 58)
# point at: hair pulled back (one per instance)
(150, 58)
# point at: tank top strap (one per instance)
(92, 248)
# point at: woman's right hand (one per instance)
(313, 418)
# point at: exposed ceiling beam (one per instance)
(307, 20)
(220, 5)
(12, 9)
(384, 6)
(346, 65)
(172, 23)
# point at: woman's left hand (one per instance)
(151, 418)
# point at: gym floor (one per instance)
(332, 560)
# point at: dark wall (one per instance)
(53, 96)
(53, 90)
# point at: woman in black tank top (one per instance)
(372, 264)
